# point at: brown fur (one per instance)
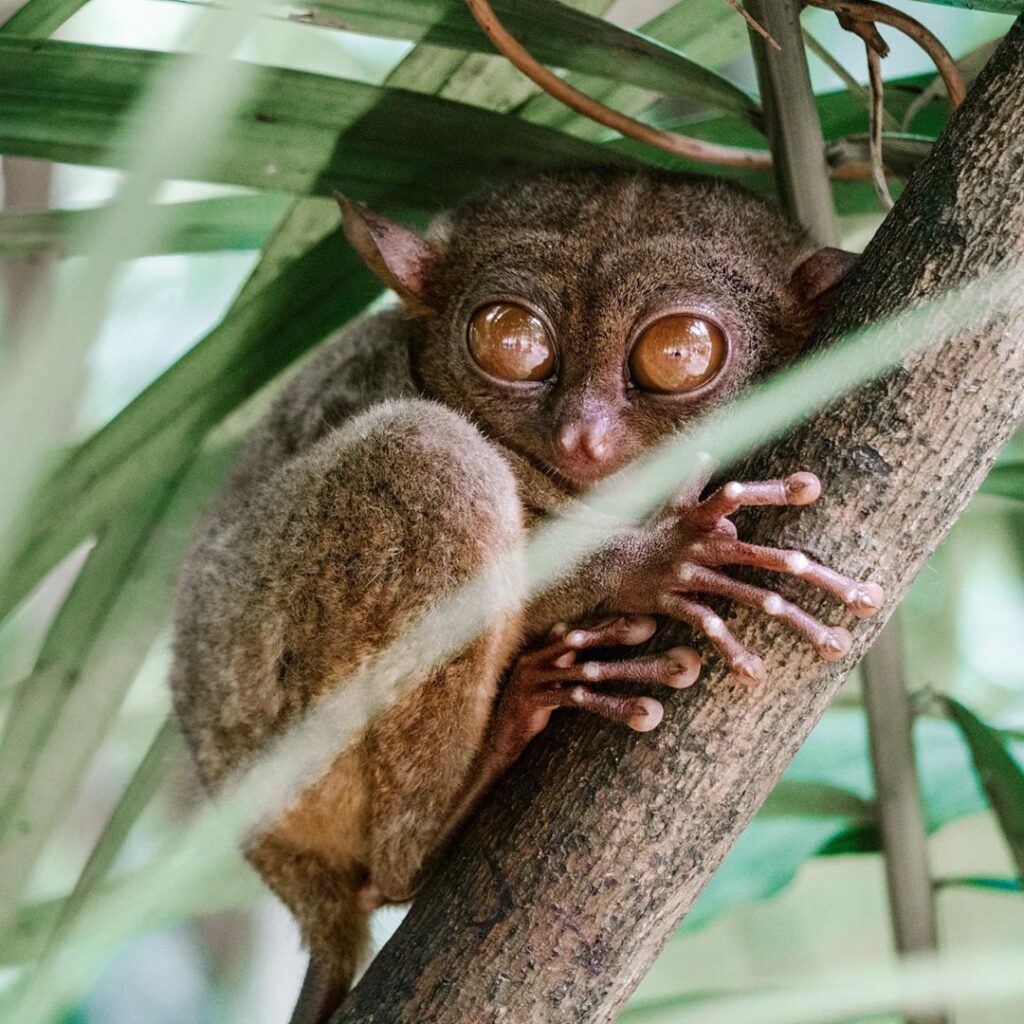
(390, 471)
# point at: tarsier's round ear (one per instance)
(398, 256)
(815, 277)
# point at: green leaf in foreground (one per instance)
(68, 102)
(39, 18)
(1000, 772)
(80, 711)
(229, 883)
(201, 225)
(167, 745)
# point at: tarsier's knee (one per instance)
(447, 485)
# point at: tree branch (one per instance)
(562, 890)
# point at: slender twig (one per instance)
(853, 86)
(871, 12)
(670, 142)
(753, 23)
(875, 138)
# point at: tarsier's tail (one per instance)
(323, 989)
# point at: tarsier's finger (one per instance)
(640, 713)
(863, 598)
(747, 665)
(678, 668)
(796, 489)
(618, 631)
(831, 642)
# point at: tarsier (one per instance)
(551, 329)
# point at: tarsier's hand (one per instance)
(550, 676)
(674, 561)
(684, 549)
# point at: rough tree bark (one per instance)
(562, 890)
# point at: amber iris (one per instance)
(510, 342)
(676, 354)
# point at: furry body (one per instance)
(390, 470)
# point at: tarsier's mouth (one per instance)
(578, 477)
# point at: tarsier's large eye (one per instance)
(677, 353)
(510, 342)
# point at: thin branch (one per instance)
(669, 142)
(680, 145)
(753, 23)
(875, 138)
(870, 11)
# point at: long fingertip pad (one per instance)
(683, 667)
(648, 715)
(867, 600)
(639, 628)
(838, 645)
(802, 488)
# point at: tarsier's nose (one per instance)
(585, 440)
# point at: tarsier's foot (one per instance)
(703, 538)
(551, 677)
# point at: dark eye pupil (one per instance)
(677, 354)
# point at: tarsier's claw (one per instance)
(838, 644)
(646, 716)
(866, 600)
(683, 667)
(750, 668)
